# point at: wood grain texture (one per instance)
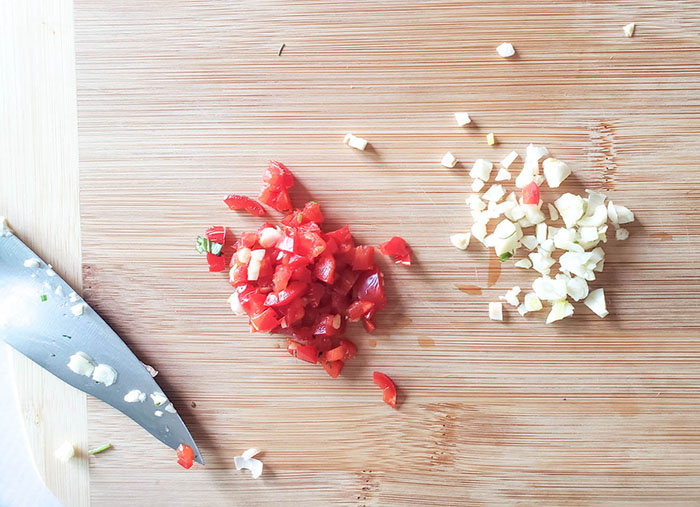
(39, 195)
(180, 102)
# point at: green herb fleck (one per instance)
(44, 298)
(100, 449)
(206, 245)
(52, 355)
(67, 336)
(505, 256)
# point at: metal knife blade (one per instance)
(36, 318)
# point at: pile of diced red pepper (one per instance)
(300, 281)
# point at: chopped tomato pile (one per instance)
(297, 279)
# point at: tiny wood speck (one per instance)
(181, 102)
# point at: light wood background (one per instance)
(39, 195)
(180, 102)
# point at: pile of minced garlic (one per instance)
(576, 227)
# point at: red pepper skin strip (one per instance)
(241, 202)
(388, 388)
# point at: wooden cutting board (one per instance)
(181, 102)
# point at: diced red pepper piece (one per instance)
(285, 296)
(531, 193)
(294, 219)
(388, 388)
(310, 244)
(307, 353)
(343, 239)
(364, 258)
(248, 239)
(345, 351)
(266, 321)
(329, 325)
(185, 456)
(370, 287)
(216, 234)
(238, 202)
(368, 324)
(333, 367)
(345, 281)
(312, 212)
(325, 268)
(216, 262)
(316, 292)
(359, 308)
(323, 343)
(281, 277)
(253, 302)
(277, 175)
(294, 312)
(397, 249)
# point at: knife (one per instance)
(42, 317)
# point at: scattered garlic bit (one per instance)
(150, 369)
(524, 263)
(248, 462)
(496, 311)
(555, 172)
(509, 159)
(475, 203)
(490, 139)
(560, 310)
(503, 175)
(59, 290)
(576, 287)
(525, 177)
(511, 297)
(622, 234)
(73, 297)
(624, 215)
(235, 304)
(256, 257)
(549, 289)
(135, 396)
(541, 232)
(462, 119)
(529, 242)
(477, 185)
(553, 213)
(104, 374)
(481, 169)
(449, 160)
(158, 399)
(535, 153)
(82, 364)
(461, 240)
(4, 227)
(355, 142)
(158, 413)
(269, 237)
(505, 50)
(522, 310)
(570, 208)
(65, 453)
(629, 29)
(596, 302)
(170, 408)
(32, 263)
(78, 309)
(479, 231)
(495, 193)
(532, 303)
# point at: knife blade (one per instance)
(42, 317)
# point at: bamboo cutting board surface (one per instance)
(181, 102)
